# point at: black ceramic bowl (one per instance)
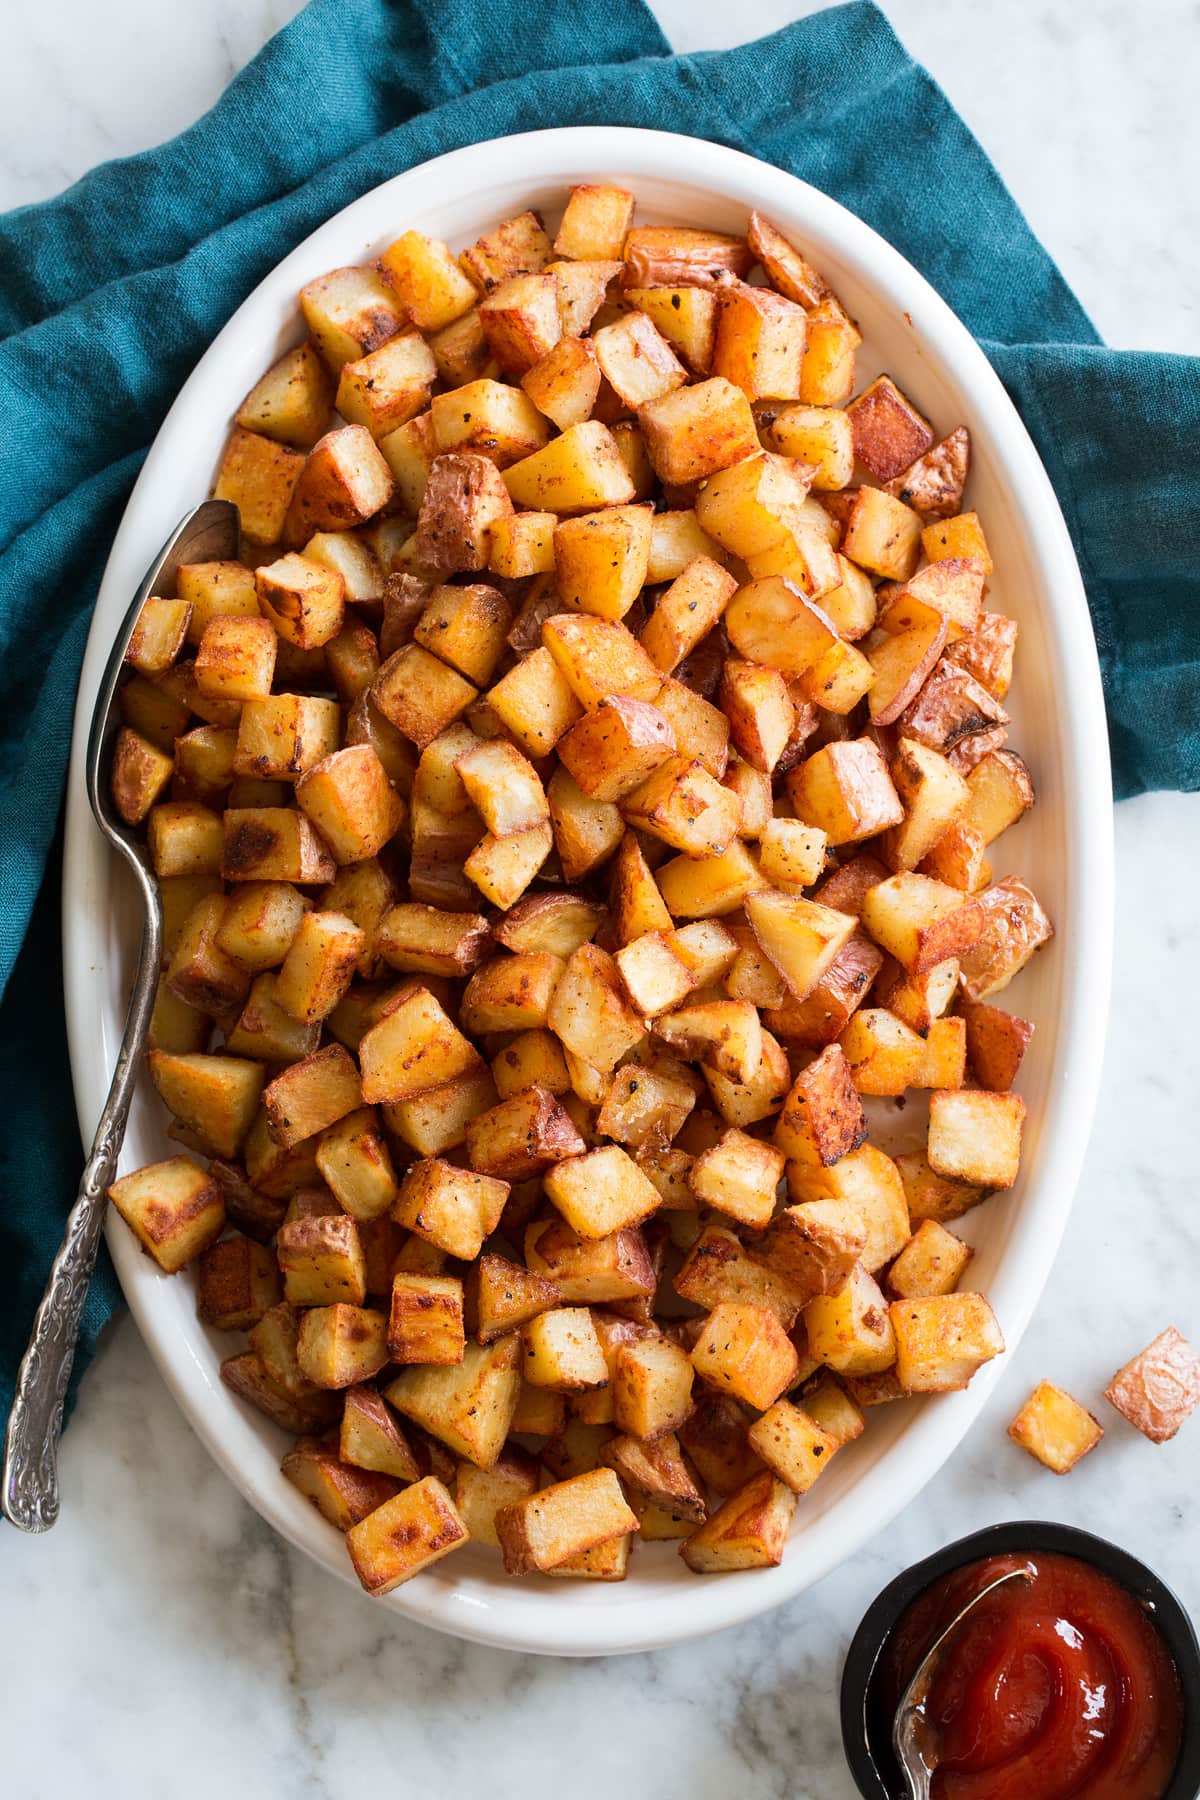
(866, 1731)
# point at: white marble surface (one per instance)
(161, 1640)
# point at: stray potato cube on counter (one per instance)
(1159, 1388)
(1055, 1428)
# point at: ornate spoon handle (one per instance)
(30, 1488)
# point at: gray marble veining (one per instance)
(162, 1640)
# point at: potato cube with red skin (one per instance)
(521, 321)
(601, 1192)
(756, 701)
(783, 264)
(996, 1043)
(814, 1245)
(343, 1495)
(501, 1296)
(371, 1439)
(522, 1135)
(594, 1271)
(454, 1208)
(975, 1136)
(562, 1521)
(739, 1177)
(594, 223)
(921, 922)
(957, 858)
(236, 1282)
(259, 477)
(273, 843)
(933, 483)
(932, 1262)
(943, 1340)
(882, 535)
(652, 1387)
(599, 658)
(1055, 1428)
(408, 1533)
(1014, 926)
(322, 1261)
(426, 1320)
(850, 1330)
(794, 1447)
(822, 1016)
(345, 481)
(987, 652)
(822, 1117)
(749, 1531)
(902, 665)
(564, 383)
(464, 495)
(174, 1208)
(656, 1470)
(845, 790)
(693, 432)
(744, 1351)
(1160, 1388)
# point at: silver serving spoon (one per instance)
(909, 1729)
(30, 1484)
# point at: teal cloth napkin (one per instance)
(109, 294)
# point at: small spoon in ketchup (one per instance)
(909, 1733)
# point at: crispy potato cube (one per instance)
(819, 436)
(652, 1390)
(744, 1351)
(534, 702)
(276, 1173)
(760, 342)
(668, 255)
(718, 1269)
(976, 1136)
(1160, 1388)
(1014, 926)
(292, 401)
(822, 1118)
(199, 972)
(345, 481)
(692, 432)
(259, 477)
(785, 268)
(215, 590)
(870, 1184)
(725, 1035)
(563, 1521)
(834, 1411)
(247, 1377)
(371, 1439)
(456, 1209)
(501, 1296)
(510, 993)
(961, 535)
(355, 1161)
(715, 1438)
(885, 1056)
(552, 924)
(933, 794)
(902, 664)
(800, 937)
(516, 247)
(340, 1345)
(933, 483)
(341, 1495)
(159, 635)
(706, 948)
(686, 318)
(236, 1282)
(706, 887)
(996, 1044)
(140, 772)
(792, 855)
(280, 736)
(432, 289)
(952, 588)
(408, 1533)
(814, 1246)
(756, 701)
(533, 1058)
(851, 1330)
(589, 1012)
(320, 964)
(613, 749)
(654, 976)
(502, 868)
(944, 1062)
(889, 433)
(350, 800)
(1055, 1428)
(413, 1048)
(753, 504)
(490, 418)
(504, 786)
(176, 1026)
(322, 1261)
(844, 789)
(419, 695)
(686, 613)
(523, 544)
(464, 495)
(882, 535)
(436, 1120)
(305, 603)
(645, 1107)
(941, 1341)
(637, 905)
(933, 1196)
(987, 652)
(957, 859)
(468, 1405)
(522, 1135)
(311, 1095)
(521, 321)
(273, 843)
(601, 1192)
(174, 1208)
(636, 360)
(921, 922)
(214, 1096)
(582, 287)
(350, 312)
(696, 723)
(744, 1103)
(466, 627)
(1000, 790)
(560, 1350)
(426, 1320)
(684, 806)
(480, 1493)
(601, 559)
(739, 1176)
(932, 1262)
(748, 1532)
(657, 1472)
(791, 1443)
(563, 384)
(236, 658)
(595, 223)
(827, 372)
(390, 386)
(821, 1017)
(599, 658)
(594, 1271)
(409, 452)
(577, 472)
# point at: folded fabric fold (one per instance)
(110, 293)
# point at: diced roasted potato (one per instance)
(322, 1261)
(426, 1320)
(259, 477)
(851, 1330)
(174, 1208)
(1159, 1389)
(975, 1136)
(739, 1177)
(408, 1533)
(744, 1351)
(882, 535)
(943, 1340)
(933, 484)
(961, 535)
(844, 789)
(791, 1443)
(575, 473)
(571, 1517)
(748, 1532)
(413, 1048)
(454, 1208)
(814, 1246)
(1055, 1428)
(340, 1345)
(932, 1262)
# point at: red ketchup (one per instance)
(1057, 1687)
